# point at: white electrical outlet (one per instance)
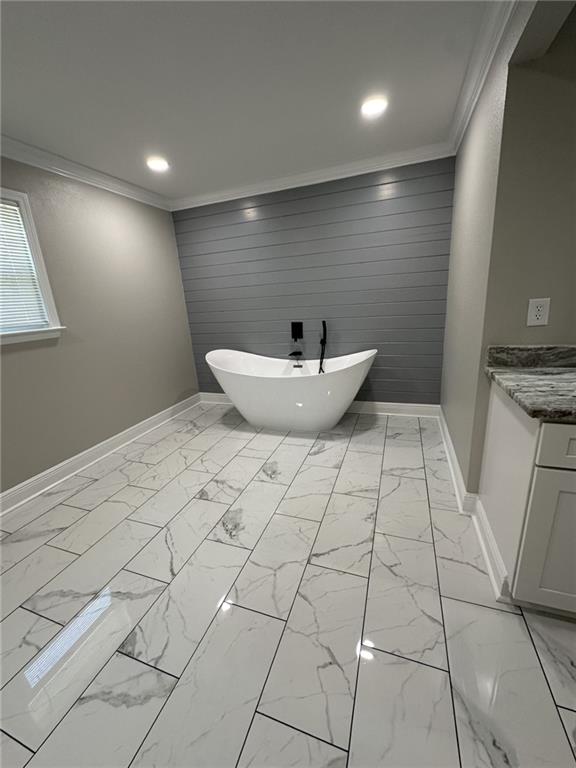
(538, 311)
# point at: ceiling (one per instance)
(234, 94)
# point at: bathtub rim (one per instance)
(356, 359)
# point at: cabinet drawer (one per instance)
(557, 447)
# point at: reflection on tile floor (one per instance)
(217, 595)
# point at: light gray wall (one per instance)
(473, 222)
(367, 254)
(534, 247)
(126, 352)
(510, 238)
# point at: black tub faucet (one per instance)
(322, 347)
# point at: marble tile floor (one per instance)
(217, 595)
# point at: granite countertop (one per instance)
(542, 380)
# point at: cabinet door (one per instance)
(546, 570)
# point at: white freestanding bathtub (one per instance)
(271, 393)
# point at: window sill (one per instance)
(16, 337)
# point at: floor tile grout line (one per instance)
(299, 730)
(40, 616)
(255, 610)
(281, 636)
(450, 681)
(6, 733)
(365, 611)
(408, 658)
(479, 605)
(553, 698)
(294, 517)
(335, 570)
(404, 538)
(146, 663)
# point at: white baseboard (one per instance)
(358, 406)
(470, 503)
(25, 491)
(215, 397)
(466, 500)
(410, 409)
(494, 563)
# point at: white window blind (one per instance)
(22, 306)
(26, 303)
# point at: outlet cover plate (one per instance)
(538, 311)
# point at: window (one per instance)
(27, 309)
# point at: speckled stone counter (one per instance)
(542, 380)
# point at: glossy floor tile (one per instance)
(62, 597)
(369, 434)
(105, 725)
(568, 717)
(218, 595)
(461, 568)
(309, 493)
(170, 632)
(312, 681)
(229, 483)
(22, 635)
(283, 464)
(344, 540)
(166, 553)
(245, 520)
(271, 743)
(403, 508)
(360, 474)
(23, 580)
(403, 715)
(165, 504)
(328, 450)
(555, 641)
(23, 514)
(403, 612)
(18, 545)
(92, 526)
(100, 490)
(505, 714)
(209, 712)
(36, 699)
(13, 754)
(271, 576)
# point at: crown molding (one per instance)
(39, 158)
(373, 164)
(503, 21)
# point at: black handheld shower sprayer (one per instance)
(322, 347)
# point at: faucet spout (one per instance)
(296, 355)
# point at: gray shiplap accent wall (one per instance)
(368, 254)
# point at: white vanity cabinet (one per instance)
(527, 505)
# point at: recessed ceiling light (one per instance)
(373, 107)
(157, 163)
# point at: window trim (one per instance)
(54, 328)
